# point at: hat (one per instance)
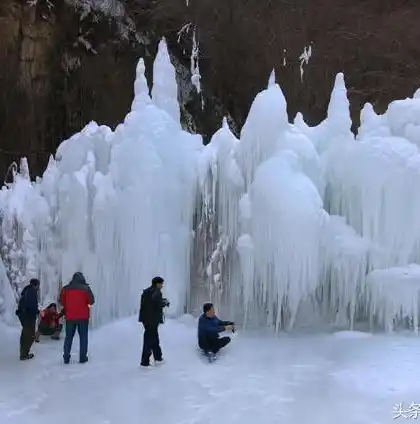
(157, 280)
(207, 306)
(34, 282)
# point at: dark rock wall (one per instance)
(61, 67)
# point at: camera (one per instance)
(166, 303)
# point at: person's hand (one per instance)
(229, 327)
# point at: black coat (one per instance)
(151, 307)
(28, 303)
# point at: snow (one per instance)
(317, 379)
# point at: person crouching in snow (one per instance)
(49, 323)
(209, 327)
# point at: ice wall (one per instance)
(319, 208)
(116, 205)
(284, 221)
(7, 297)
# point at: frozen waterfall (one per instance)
(286, 221)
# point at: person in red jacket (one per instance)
(76, 298)
(49, 323)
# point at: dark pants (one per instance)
(46, 330)
(151, 344)
(82, 328)
(27, 336)
(213, 345)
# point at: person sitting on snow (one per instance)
(49, 323)
(209, 327)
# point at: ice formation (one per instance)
(304, 59)
(285, 217)
(165, 89)
(116, 205)
(395, 295)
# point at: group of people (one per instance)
(151, 316)
(76, 299)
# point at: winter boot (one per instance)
(27, 357)
(211, 357)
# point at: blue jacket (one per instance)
(28, 303)
(209, 328)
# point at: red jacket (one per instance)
(49, 318)
(76, 298)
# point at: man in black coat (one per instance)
(27, 313)
(151, 315)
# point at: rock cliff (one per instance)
(64, 63)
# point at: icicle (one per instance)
(24, 169)
(165, 89)
(266, 120)
(141, 89)
(394, 296)
(372, 124)
(183, 30)
(7, 297)
(370, 194)
(195, 71)
(339, 108)
(272, 79)
(296, 141)
(285, 204)
(304, 59)
(336, 129)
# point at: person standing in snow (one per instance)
(27, 313)
(76, 298)
(209, 327)
(151, 315)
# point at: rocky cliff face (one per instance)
(64, 63)
(60, 68)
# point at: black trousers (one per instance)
(151, 344)
(27, 336)
(214, 345)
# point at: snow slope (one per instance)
(299, 379)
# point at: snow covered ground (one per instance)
(344, 378)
